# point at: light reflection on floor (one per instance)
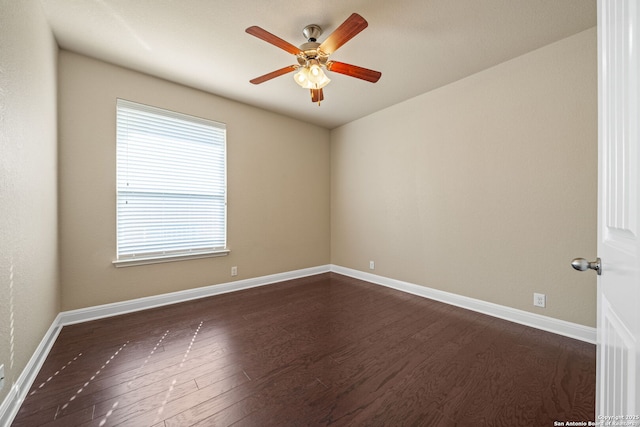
(77, 393)
(108, 414)
(54, 375)
(136, 378)
(138, 374)
(151, 353)
(175, 379)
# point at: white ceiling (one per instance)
(418, 45)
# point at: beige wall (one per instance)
(484, 188)
(278, 188)
(29, 292)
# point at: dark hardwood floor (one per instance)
(323, 350)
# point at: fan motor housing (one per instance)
(310, 51)
(310, 47)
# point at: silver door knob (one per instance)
(582, 264)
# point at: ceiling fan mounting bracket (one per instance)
(312, 32)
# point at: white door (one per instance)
(618, 370)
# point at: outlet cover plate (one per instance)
(539, 300)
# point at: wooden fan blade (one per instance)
(354, 71)
(317, 95)
(273, 74)
(345, 32)
(274, 40)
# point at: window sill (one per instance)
(130, 262)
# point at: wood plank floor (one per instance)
(323, 350)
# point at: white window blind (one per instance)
(171, 184)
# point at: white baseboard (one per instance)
(11, 404)
(550, 324)
(107, 310)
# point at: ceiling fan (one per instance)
(312, 56)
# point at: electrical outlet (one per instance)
(1, 376)
(372, 265)
(539, 300)
(234, 271)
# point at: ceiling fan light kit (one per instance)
(313, 57)
(311, 76)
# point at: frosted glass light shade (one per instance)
(311, 77)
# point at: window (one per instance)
(171, 186)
